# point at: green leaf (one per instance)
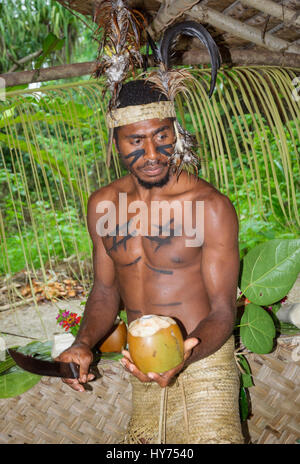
(50, 44)
(257, 329)
(42, 349)
(288, 329)
(123, 315)
(244, 408)
(246, 378)
(270, 270)
(17, 382)
(112, 356)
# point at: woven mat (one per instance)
(275, 398)
(53, 413)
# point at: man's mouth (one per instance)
(153, 170)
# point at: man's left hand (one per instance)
(164, 378)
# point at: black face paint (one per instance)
(162, 149)
(135, 155)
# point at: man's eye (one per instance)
(136, 141)
(162, 137)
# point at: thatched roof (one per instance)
(246, 31)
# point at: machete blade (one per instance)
(48, 368)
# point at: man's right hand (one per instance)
(81, 354)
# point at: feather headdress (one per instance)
(172, 81)
(122, 34)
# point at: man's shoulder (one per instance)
(109, 192)
(215, 202)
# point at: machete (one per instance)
(41, 367)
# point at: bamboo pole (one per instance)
(24, 60)
(168, 12)
(239, 29)
(234, 57)
(240, 57)
(48, 74)
(284, 13)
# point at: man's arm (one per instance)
(101, 308)
(102, 305)
(220, 269)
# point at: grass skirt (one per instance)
(201, 406)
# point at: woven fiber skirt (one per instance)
(201, 406)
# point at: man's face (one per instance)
(145, 148)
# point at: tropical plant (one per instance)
(47, 33)
(268, 273)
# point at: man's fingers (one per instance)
(74, 384)
(189, 344)
(126, 354)
(134, 370)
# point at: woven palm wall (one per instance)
(52, 157)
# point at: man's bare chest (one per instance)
(165, 240)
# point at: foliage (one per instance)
(38, 244)
(42, 25)
(257, 329)
(60, 122)
(13, 380)
(269, 271)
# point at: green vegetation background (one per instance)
(36, 23)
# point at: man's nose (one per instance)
(150, 151)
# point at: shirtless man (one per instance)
(196, 285)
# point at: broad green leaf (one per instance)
(17, 382)
(270, 270)
(257, 329)
(43, 349)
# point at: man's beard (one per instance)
(150, 185)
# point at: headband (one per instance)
(131, 114)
